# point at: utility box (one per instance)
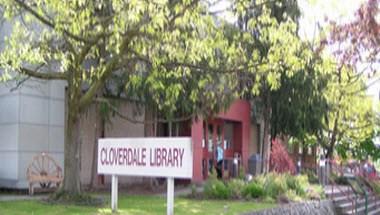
(254, 164)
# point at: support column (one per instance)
(114, 194)
(170, 196)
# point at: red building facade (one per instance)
(231, 129)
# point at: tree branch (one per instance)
(42, 75)
(133, 120)
(49, 23)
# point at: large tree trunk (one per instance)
(99, 133)
(266, 139)
(71, 182)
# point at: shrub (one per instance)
(216, 189)
(375, 185)
(280, 160)
(311, 175)
(253, 190)
(302, 184)
(315, 192)
(236, 187)
(274, 184)
(291, 181)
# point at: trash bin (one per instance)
(254, 164)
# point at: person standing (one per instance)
(219, 160)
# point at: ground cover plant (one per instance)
(270, 187)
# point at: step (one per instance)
(361, 209)
(337, 189)
(359, 203)
(343, 199)
(375, 212)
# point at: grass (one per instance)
(135, 205)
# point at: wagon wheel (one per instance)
(43, 166)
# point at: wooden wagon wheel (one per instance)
(43, 166)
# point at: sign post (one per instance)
(114, 195)
(170, 196)
(153, 157)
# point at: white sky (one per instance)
(315, 11)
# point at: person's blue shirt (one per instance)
(219, 153)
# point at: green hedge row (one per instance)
(271, 186)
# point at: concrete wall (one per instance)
(31, 122)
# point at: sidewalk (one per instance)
(182, 191)
(15, 197)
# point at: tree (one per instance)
(355, 46)
(350, 116)
(88, 42)
(298, 105)
(270, 37)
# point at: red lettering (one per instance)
(103, 160)
(143, 156)
(181, 151)
(111, 156)
(170, 157)
(175, 157)
(125, 156)
(158, 157)
(120, 156)
(151, 157)
(163, 156)
(130, 154)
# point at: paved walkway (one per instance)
(14, 197)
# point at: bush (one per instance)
(253, 190)
(274, 184)
(280, 160)
(375, 185)
(302, 184)
(216, 189)
(236, 187)
(311, 175)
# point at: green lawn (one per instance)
(146, 205)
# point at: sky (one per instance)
(315, 11)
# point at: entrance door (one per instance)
(228, 134)
(213, 133)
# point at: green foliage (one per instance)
(237, 188)
(241, 172)
(311, 175)
(253, 190)
(269, 187)
(216, 189)
(375, 185)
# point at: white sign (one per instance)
(156, 157)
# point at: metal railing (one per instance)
(333, 168)
(359, 176)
